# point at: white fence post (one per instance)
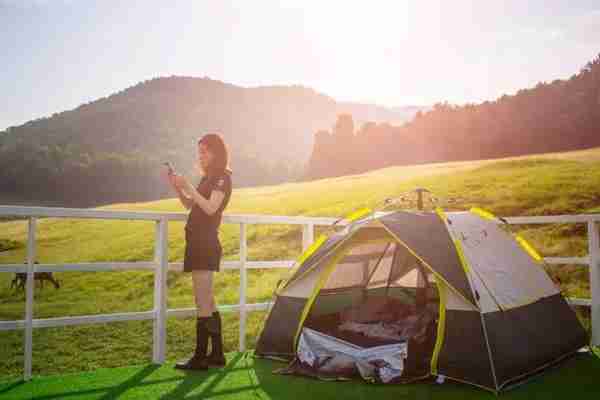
(594, 251)
(308, 236)
(29, 298)
(161, 257)
(243, 285)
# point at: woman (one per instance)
(203, 249)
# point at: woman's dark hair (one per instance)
(220, 161)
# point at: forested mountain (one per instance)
(556, 116)
(112, 149)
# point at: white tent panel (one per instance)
(484, 298)
(511, 276)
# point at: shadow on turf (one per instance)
(11, 386)
(191, 382)
(111, 392)
(575, 379)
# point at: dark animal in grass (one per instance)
(20, 279)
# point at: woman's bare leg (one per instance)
(203, 292)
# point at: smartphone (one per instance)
(170, 168)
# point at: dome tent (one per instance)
(499, 318)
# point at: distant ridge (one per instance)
(110, 150)
(551, 117)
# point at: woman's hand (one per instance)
(182, 183)
(171, 179)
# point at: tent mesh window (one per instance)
(372, 283)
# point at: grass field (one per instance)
(565, 183)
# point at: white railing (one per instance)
(160, 266)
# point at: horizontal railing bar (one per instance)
(190, 312)
(78, 320)
(118, 317)
(82, 267)
(56, 212)
(277, 219)
(568, 260)
(137, 266)
(233, 265)
(12, 325)
(13, 268)
(270, 264)
(225, 265)
(579, 302)
(555, 219)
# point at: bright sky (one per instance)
(57, 54)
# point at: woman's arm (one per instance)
(186, 201)
(209, 206)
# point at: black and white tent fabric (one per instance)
(497, 317)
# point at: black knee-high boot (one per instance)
(198, 360)
(216, 357)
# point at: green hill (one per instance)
(112, 149)
(562, 183)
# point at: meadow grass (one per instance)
(565, 183)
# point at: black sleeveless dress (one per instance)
(202, 247)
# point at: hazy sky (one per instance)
(57, 54)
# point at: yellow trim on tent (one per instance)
(461, 255)
(528, 248)
(325, 274)
(441, 328)
(440, 212)
(482, 213)
(358, 214)
(429, 267)
(312, 248)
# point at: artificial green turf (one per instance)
(249, 378)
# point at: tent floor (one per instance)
(247, 378)
(417, 364)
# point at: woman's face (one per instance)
(205, 157)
